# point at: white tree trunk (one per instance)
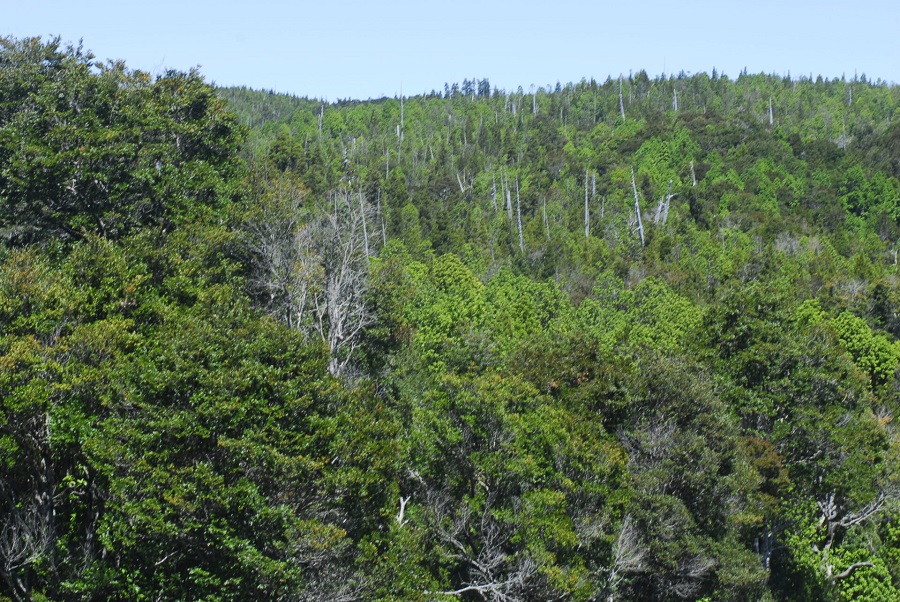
(494, 192)
(547, 224)
(637, 208)
(519, 217)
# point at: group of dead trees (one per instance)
(310, 261)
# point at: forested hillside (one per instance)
(622, 340)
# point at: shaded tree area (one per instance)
(621, 340)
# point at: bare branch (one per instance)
(403, 501)
(313, 273)
(849, 571)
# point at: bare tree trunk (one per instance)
(838, 520)
(693, 175)
(547, 224)
(481, 542)
(621, 103)
(637, 208)
(403, 501)
(342, 312)
(494, 192)
(362, 212)
(519, 217)
(316, 274)
(771, 116)
(628, 557)
(381, 217)
(587, 213)
(669, 197)
(674, 100)
(27, 519)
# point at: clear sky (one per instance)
(368, 49)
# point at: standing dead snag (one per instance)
(547, 222)
(400, 516)
(25, 537)
(311, 271)
(587, 214)
(341, 312)
(504, 193)
(669, 197)
(662, 209)
(494, 192)
(519, 217)
(628, 557)
(637, 208)
(480, 544)
(836, 522)
(27, 516)
(365, 231)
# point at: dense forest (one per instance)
(625, 340)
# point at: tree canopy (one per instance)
(622, 340)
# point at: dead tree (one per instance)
(587, 213)
(637, 208)
(24, 539)
(547, 222)
(341, 312)
(628, 557)
(311, 270)
(284, 273)
(837, 521)
(27, 516)
(494, 192)
(365, 230)
(669, 197)
(479, 543)
(662, 208)
(621, 103)
(519, 217)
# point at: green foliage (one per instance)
(873, 353)
(87, 147)
(544, 406)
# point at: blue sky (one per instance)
(354, 49)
